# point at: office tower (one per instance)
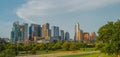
(23, 32)
(86, 37)
(55, 32)
(35, 31)
(30, 33)
(15, 33)
(67, 36)
(52, 31)
(62, 34)
(49, 31)
(46, 31)
(40, 31)
(93, 37)
(78, 33)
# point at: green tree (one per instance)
(33, 51)
(109, 35)
(66, 46)
(57, 46)
(8, 53)
(42, 46)
(73, 46)
(26, 47)
(50, 46)
(2, 47)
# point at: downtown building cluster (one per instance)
(81, 36)
(35, 33)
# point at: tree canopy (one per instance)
(109, 35)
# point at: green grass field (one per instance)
(58, 52)
(90, 55)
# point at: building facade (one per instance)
(23, 32)
(93, 37)
(35, 32)
(62, 35)
(46, 31)
(78, 33)
(67, 36)
(15, 33)
(19, 33)
(55, 32)
(86, 37)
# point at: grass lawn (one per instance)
(87, 49)
(22, 53)
(90, 55)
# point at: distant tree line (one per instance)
(14, 49)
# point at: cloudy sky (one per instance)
(90, 14)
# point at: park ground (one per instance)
(70, 54)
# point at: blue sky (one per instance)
(90, 14)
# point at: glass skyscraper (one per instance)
(19, 32)
(62, 34)
(67, 36)
(15, 33)
(55, 32)
(35, 31)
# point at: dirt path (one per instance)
(58, 54)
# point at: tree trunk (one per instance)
(118, 55)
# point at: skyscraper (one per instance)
(78, 33)
(15, 33)
(46, 31)
(55, 32)
(35, 31)
(19, 32)
(62, 34)
(40, 31)
(67, 36)
(23, 32)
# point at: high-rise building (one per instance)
(19, 33)
(40, 31)
(23, 32)
(93, 37)
(46, 31)
(67, 36)
(78, 33)
(55, 32)
(86, 37)
(62, 34)
(35, 31)
(15, 33)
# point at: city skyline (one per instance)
(35, 33)
(89, 14)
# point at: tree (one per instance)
(73, 46)
(42, 46)
(2, 47)
(33, 51)
(66, 46)
(57, 46)
(8, 53)
(109, 35)
(50, 46)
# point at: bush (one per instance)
(8, 53)
(66, 46)
(33, 51)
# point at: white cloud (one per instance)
(44, 8)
